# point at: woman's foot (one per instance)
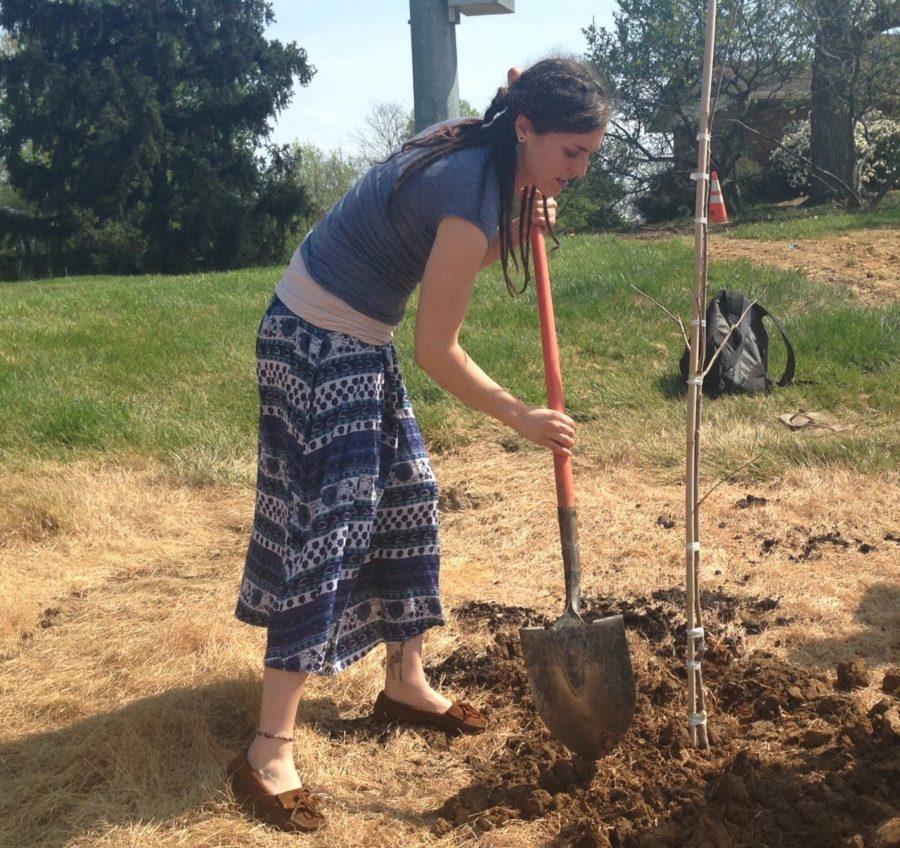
(405, 681)
(460, 718)
(294, 810)
(416, 694)
(273, 762)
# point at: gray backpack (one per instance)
(742, 363)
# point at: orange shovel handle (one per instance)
(565, 486)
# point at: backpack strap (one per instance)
(788, 375)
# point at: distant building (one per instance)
(768, 109)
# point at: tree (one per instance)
(467, 110)
(325, 176)
(131, 129)
(388, 125)
(652, 54)
(851, 69)
(590, 204)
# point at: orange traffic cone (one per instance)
(717, 212)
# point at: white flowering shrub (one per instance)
(879, 151)
(877, 140)
(785, 159)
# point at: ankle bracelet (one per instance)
(274, 736)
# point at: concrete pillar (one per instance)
(435, 79)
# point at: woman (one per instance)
(344, 553)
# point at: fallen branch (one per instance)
(727, 477)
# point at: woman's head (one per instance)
(541, 130)
(559, 95)
(561, 113)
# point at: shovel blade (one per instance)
(582, 683)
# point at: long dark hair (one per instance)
(556, 95)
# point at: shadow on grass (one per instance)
(878, 614)
(155, 760)
(671, 387)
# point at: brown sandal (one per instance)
(295, 810)
(459, 719)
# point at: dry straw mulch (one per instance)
(127, 683)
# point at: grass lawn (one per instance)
(782, 224)
(164, 366)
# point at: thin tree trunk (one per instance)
(696, 643)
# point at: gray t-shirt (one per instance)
(374, 262)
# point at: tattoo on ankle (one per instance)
(395, 664)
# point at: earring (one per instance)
(519, 146)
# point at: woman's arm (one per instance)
(493, 251)
(458, 251)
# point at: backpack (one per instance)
(741, 364)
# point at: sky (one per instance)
(362, 54)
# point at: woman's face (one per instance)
(550, 161)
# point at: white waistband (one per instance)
(300, 293)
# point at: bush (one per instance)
(877, 140)
(879, 152)
(590, 204)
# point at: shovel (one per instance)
(580, 674)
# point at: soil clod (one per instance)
(891, 682)
(665, 521)
(887, 834)
(852, 674)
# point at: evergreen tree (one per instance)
(131, 128)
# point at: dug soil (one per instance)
(794, 759)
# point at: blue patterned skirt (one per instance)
(344, 552)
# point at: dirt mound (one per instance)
(793, 761)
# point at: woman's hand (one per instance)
(538, 220)
(547, 428)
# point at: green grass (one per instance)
(159, 366)
(784, 224)
(165, 366)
